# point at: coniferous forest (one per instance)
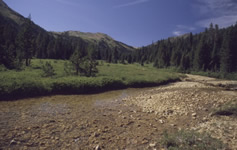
(212, 50)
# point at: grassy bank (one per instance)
(228, 76)
(30, 82)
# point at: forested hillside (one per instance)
(22, 39)
(212, 50)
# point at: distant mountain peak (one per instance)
(96, 38)
(9, 13)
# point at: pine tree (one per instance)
(91, 63)
(25, 40)
(215, 55)
(115, 55)
(228, 51)
(76, 60)
(202, 55)
(226, 55)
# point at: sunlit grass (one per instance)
(30, 82)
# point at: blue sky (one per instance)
(134, 22)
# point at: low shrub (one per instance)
(190, 140)
(48, 70)
(227, 109)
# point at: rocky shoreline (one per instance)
(189, 105)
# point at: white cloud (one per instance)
(221, 12)
(177, 33)
(182, 29)
(136, 2)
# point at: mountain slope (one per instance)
(7, 12)
(90, 38)
(96, 38)
(53, 45)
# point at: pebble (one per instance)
(152, 144)
(97, 147)
(205, 119)
(161, 121)
(145, 141)
(13, 142)
(194, 115)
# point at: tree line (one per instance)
(212, 50)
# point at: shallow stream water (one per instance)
(71, 122)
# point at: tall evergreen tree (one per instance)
(91, 63)
(77, 61)
(215, 55)
(115, 55)
(202, 55)
(25, 40)
(226, 54)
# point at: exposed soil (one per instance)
(123, 119)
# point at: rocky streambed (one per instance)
(123, 119)
(190, 104)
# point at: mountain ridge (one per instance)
(88, 37)
(95, 38)
(7, 12)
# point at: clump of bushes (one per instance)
(48, 70)
(190, 140)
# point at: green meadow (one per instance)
(30, 81)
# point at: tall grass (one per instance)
(31, 82)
